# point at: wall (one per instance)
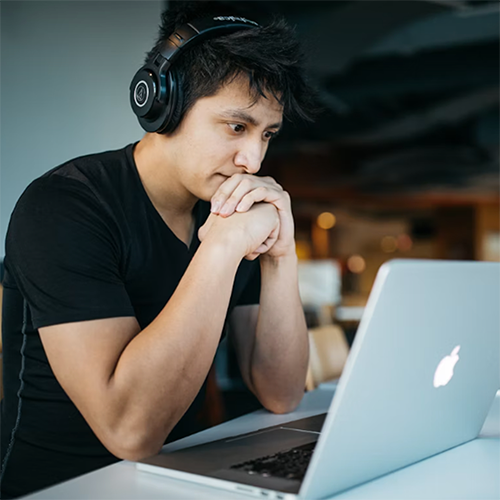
(65, 71)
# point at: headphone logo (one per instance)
(141, 93)
(235, 19)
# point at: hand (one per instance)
(252, 233)
(242, 191)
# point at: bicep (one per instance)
(83, 356)
(242, 329)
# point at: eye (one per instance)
(270, 135)
(237, 127)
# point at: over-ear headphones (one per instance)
(155, 91)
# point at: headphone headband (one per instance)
(200, 30)
(154, 91)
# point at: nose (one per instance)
(250, 156)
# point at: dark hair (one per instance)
(269, 56)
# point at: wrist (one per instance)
(271, 261)
(225, 247)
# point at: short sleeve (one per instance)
(64, 251)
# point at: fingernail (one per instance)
(215, 206)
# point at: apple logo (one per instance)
(444, 371)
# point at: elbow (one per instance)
(132, 445)
(134, 453)
(282, 405)
(279, 400)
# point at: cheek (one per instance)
(205, 153)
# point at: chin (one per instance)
(206, 194)
(213, 185)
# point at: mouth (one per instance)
(221, 177)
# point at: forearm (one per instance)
(162, 369)
(281, 350)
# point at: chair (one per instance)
(328, 353)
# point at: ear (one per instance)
(455, 351)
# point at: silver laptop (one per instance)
(420, 378)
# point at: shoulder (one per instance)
(85, 182)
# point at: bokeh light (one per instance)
(326, 220)
(404, 242)
(388, 244)
(356, 264)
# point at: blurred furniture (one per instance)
(319, 288)
(328, 351)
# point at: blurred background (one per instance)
(403, 161)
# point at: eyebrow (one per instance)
(239, 114)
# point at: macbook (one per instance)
(420, 378)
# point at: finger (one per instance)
(255, 196)
(203, 230)
(224, 192)
(252, 256)
(264, 247)
(230, 193)
(279, 198)
(246, 186)
(268, 244)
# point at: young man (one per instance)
(120, 276)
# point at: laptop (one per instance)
(420, 378)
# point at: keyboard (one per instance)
(290, 464)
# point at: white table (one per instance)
(470, 471)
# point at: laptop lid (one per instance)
(393, 406)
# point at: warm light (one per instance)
(404, 242)
(388, 244)
(303, 249)
(356, 264)
(326, 220)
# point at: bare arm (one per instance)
(271, 339)
(133, 386)
(272, 346)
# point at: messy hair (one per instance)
(269, 56)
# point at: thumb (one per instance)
(202, 232)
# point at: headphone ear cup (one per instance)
(175, 103)
(148, 95)
(144, 91)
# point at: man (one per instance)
(120, 276)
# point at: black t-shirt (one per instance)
(84, 242)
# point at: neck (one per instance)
(158, 173)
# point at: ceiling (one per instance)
(409, 92)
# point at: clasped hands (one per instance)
(258, 210)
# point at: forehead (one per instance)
(236, 97)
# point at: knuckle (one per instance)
(224, 191)
(272, 181)
(232, 200)
(246, 183)
(248, 198)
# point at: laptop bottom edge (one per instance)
(221, 480)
